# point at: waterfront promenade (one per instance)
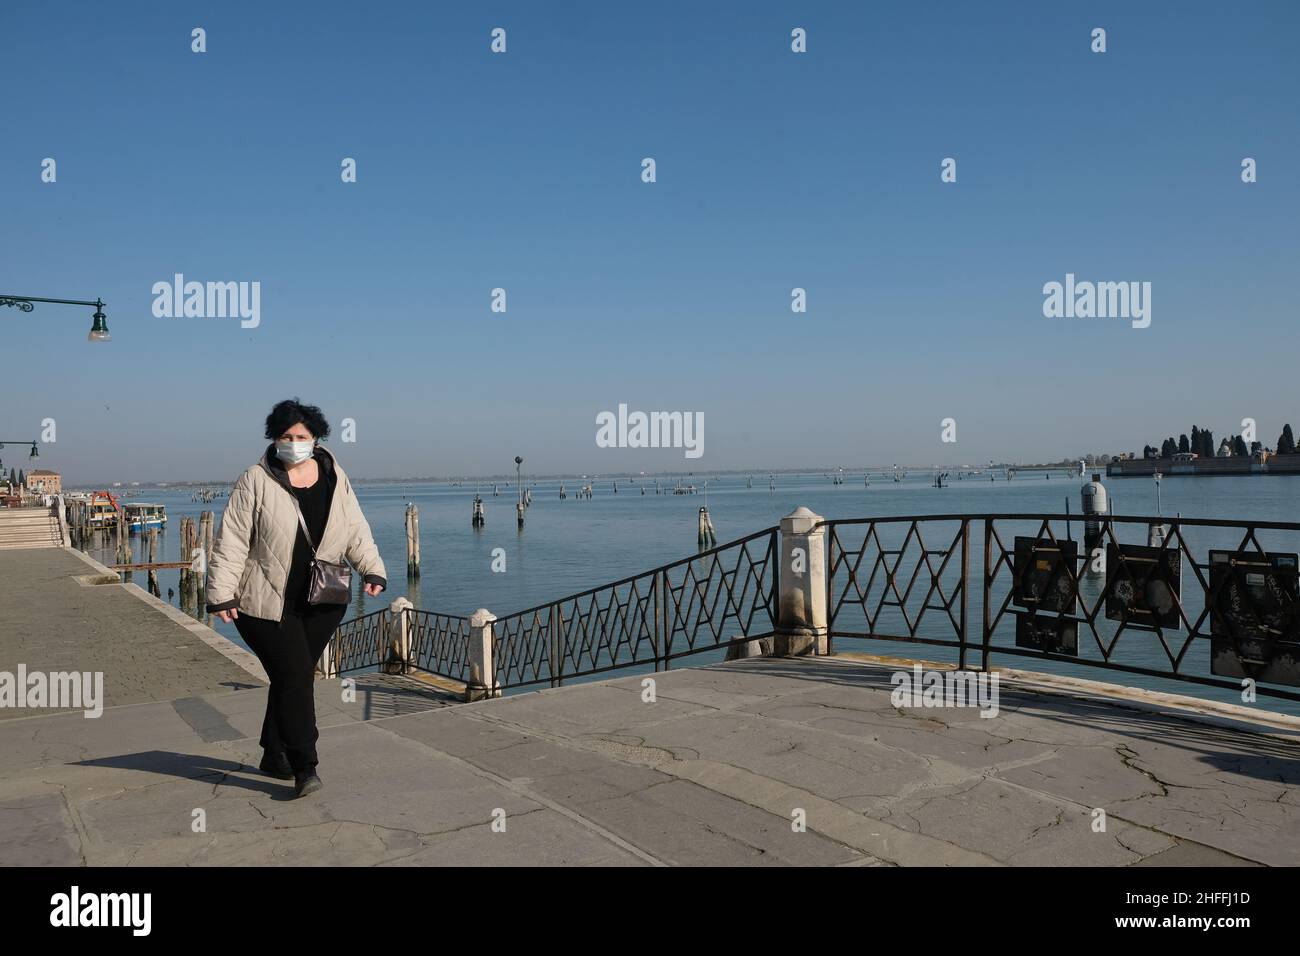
(716, 770)
(63, 611)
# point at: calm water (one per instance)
(575, 544)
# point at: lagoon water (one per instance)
(575, 544)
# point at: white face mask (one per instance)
(294, 451)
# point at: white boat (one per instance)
(141, 516)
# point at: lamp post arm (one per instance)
(18, 301)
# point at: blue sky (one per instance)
(522, 171)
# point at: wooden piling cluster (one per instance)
(196, 549)
(79, 523)
(707, 538)
(188, 572)
(123, 542)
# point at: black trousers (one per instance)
(289, 649)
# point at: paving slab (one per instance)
(751, 763)
(146, 651)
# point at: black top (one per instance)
(315, 504)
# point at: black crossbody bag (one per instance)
(328, 583)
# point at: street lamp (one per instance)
(98, 326)
(34, 453)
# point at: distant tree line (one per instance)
(1201, 444)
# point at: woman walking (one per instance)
(276, 571)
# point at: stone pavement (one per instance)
(711, 773)
(54, 617)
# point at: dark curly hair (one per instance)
(292, 412)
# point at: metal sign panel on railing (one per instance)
(1047, 633)
(1254, 616)
(1044, 574)
(1144, 585)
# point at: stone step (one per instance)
(45, 533)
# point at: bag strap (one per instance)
(302, 523)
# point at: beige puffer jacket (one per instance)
(254, 547)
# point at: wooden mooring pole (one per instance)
(151, 557)
(412, 540)
(206, 521)
(189, 576)
(123, 542)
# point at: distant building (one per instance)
(1225, 449)
(43, 482)
(1185, 456)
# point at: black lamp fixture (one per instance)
(99, 323)
(34, 453)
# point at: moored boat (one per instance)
(102, 512)
(141, 516)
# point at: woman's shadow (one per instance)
(226, 773)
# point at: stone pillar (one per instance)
(398, 659)
(326, 668)
(482, 669)
(801, 625)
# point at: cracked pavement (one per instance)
(755, 762)
(713, 772)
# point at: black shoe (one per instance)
(276, 764)
(305, 783)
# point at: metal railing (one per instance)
(707, 602)
(359, 643)
(439, 643)
(881, 576)
(1207, 602)
(719, 597)
(1211, 602)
